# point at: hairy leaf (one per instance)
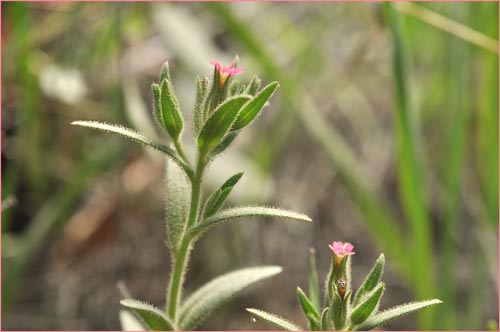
(209, 297)
(165, 72)
(216, 200)
(325, 320)
(177, 205)
(305, 303)
(219, 124)
(201, 91)
(368, 305)
(393, 313)
(155, 90)
(339, 309)
(245, 212)
(278, 321)
(371, 280)
(154, 318)
(136, 137)
(224, 144)
(314, 292)
(314, 324)
(251, 109)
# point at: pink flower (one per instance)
(227, 71)
(341, 250)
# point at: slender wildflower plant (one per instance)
(341, 310)
(223, 107)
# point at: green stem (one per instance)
(181, 259)
(179, 149)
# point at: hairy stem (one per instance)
(181, 259)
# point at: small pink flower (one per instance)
(227, 71)
(341, 250)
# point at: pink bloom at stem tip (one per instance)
(341, 249)
(229, 70)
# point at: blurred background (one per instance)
(384, 131)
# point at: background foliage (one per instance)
(384, 130)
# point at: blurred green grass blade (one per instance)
(486, 131)
(410, 172)
(52, 215)
(456, 138)
(455, 28)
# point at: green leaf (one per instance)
(393, 313)
(171, 114)
(245, 212)
(218, 125)
(154, 318)
(224, 144)
(314, 292)
(281, 323)
(371, 280)
(325, 320)
(306, 305)
(208, 298)
(216, 200)
(314, 324)
(254, 106)
(177, 204)
(136, 137)
(368, 305)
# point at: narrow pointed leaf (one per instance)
(219, 124)
(208, 298)
(245, 212)
(314, 324)
(325, 320)
(136, 137)
(314, 292)
(216, 200)
(201, 91)
(393, 313)
(224, 144)
(371, 280)
(177, 204)
(171, 114)
(254, 106)
(305, 303)
(367, 305)
(278, 321)
(154, 318)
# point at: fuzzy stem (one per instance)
(179, 149)
(181, 259)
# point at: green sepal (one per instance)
(254, 85)
(336, 272)
(339, 309)
(276, 320)
(371, 280)
(234, 88)
(254, 106)
(325, 320)
(368, 305)
(155, 91)
(386, 316)
(201, 92)
(219, 124)
(215, 201)
(154, 318)
(171, 115)
(306, 305)
(214, 97)
(165, 73)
